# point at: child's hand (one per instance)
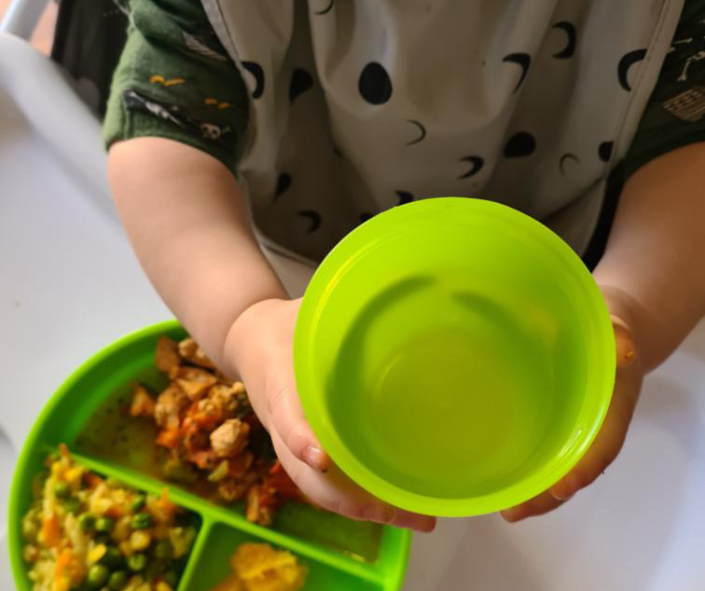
(260, 345)
(610, 439)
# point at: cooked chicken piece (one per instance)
(195, 382)
(228, 397)
(170, 403)
(257, 509)
(189, 350)
(167, 357)
(232, 490)
(142, 403)
(230, 438)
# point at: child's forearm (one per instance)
(189, 226)
(655, 256)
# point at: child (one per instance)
(313, 116)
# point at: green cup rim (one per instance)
(388, 226)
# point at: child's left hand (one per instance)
(610, 439)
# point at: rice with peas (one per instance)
(85, 532)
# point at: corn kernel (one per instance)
(126, 548)
(122, 529)
(96, 554)
(162, 586)
(140, 539)
(73, 476)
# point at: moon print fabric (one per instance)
(357, 106)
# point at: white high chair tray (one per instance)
(69, 284)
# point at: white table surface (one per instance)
(69, 285)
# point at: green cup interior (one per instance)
(454, 356)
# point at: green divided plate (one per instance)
(341, 554)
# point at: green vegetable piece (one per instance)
(163, 550)
(87, 522)
(141, 521)
(171, 578)
(61, 489)
(72, 505)
(137, 562)
(112, 558)
(105, 525)
(138, 502)
(97, 576)
(117, 580)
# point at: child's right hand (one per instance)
(260, 345)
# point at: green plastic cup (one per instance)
(454, 356)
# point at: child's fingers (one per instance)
(337, 493)
(536, 506)
(287, 419)
(609, 440)
(601, 454)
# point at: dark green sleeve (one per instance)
(675, 115)
(175, 80)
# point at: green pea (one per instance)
(163, 550)
(137, 562)
(171, 578)
(97, 576)
(141, 521)
(72, 505)
(105, 525)
(87, 522)
(61, 489)
(112, 558)
(117, 580)
(138, 502)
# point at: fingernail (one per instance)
(427, 527)
(315, 458)
(561, 493)
(511, 515)
(379, 513)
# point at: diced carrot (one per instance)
(63, 562)
(202, 459)
(207, 421)
(50, 533)
(169, 438)
(92, 480)
(166, 505)
(115, 512)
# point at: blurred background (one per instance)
(44, 33)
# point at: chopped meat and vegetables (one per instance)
(211, 434)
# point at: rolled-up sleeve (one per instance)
(175, 80)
